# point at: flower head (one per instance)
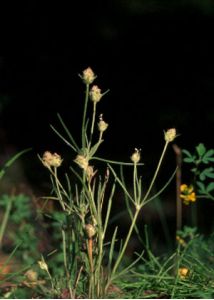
(187, 194)
(88, 76)
(170, 135)
(135, 157)
(82, 161)
(90, 172)
(51, 160)
(95, 94)
(31, 275)
(90, 230)
(102, 125)
(43, 265)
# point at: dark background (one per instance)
(156, 57)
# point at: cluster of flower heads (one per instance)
(50, 160)
(187, 193)
(88, 78)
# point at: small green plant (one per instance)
(91, 264)
(201, 161)
(14, 211)
(8, 203)
(22, 229)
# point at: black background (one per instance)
(156, 57)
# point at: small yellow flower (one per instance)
(183, 272)
(136, 156)
(88, 76)
(181, 241)
(51, 160)
(170, 135)
(187, 194)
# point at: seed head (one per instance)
(88, 76)
(136, 156)
(82, 161)
(170, 135)
(95, 94)
(90, 172)
(43, 265)
(31, 275)
(102, 126)
(90, 230)
(51, 160)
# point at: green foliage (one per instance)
(159, 277)
(22, 230)
(201, 161)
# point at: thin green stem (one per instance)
(5, 219)
(135, 183)
(156, 172)
(92, 205)
(92, 124)
(84, 115)
(99, 260)
(114, 162)
(58, 189)
(118, 261)
(66, 263)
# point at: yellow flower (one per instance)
(183, 272)
(180, 241)
(187, 194)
